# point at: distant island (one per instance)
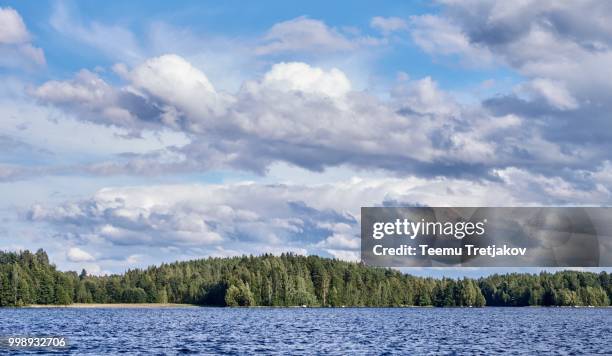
(288, 280)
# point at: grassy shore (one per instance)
(113, 305)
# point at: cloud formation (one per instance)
(563, 56)
(16, 49)
(112, 40)
(388, 25)
(294, 101)
(75, 254)
(13, 29)
(305, 35)
(307, 116)
(243, 217)
(254, 217)
(315, 118)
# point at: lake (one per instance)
(311, 330)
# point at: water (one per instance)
(328, 331)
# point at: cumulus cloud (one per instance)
(164, 90)
(301, 77)
(554, 92)
(16, 49)
(89, 95)
(300, 114)
(546, 142)
(238, 216)
(13, 29)
(86, 88)
(314, 117)
(141, 220)
(563, 51)
(438, 35)
(179, 85)
(75, 254)
(343, 243)
(251, 217)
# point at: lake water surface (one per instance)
(325, 331)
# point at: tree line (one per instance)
(288, 280)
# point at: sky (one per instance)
(136, 133)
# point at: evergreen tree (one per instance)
(288, 280)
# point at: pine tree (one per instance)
(288, 280)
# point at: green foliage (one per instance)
(134, 295)
(239, 296)
(288, 280)
(62, 297)
(567, 288)
(162, 296)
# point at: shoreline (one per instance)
(112, 305)
(178, 305)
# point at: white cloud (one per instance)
(341, 241)
(310, 36)
(561, 51)
(312, 117)
(552, 190)
(12, 28)
(62, 135)
(352, 256)
(168, 114)
(16, 49)
(75, 254)
(388, 25)
(89, 95)
(315, 118)
(437, 35)
(302, 77)
(175, 81)
(554, 92)
(424, 96)
(603, 174)
(296, 113)
(541, 40)
(86, 88)
(343, 237)
(112, 40)
(303, 34)
(254, 218)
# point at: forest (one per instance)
(28, 278)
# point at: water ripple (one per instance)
(487, 331)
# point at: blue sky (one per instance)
(64, 55)
(134, 133)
